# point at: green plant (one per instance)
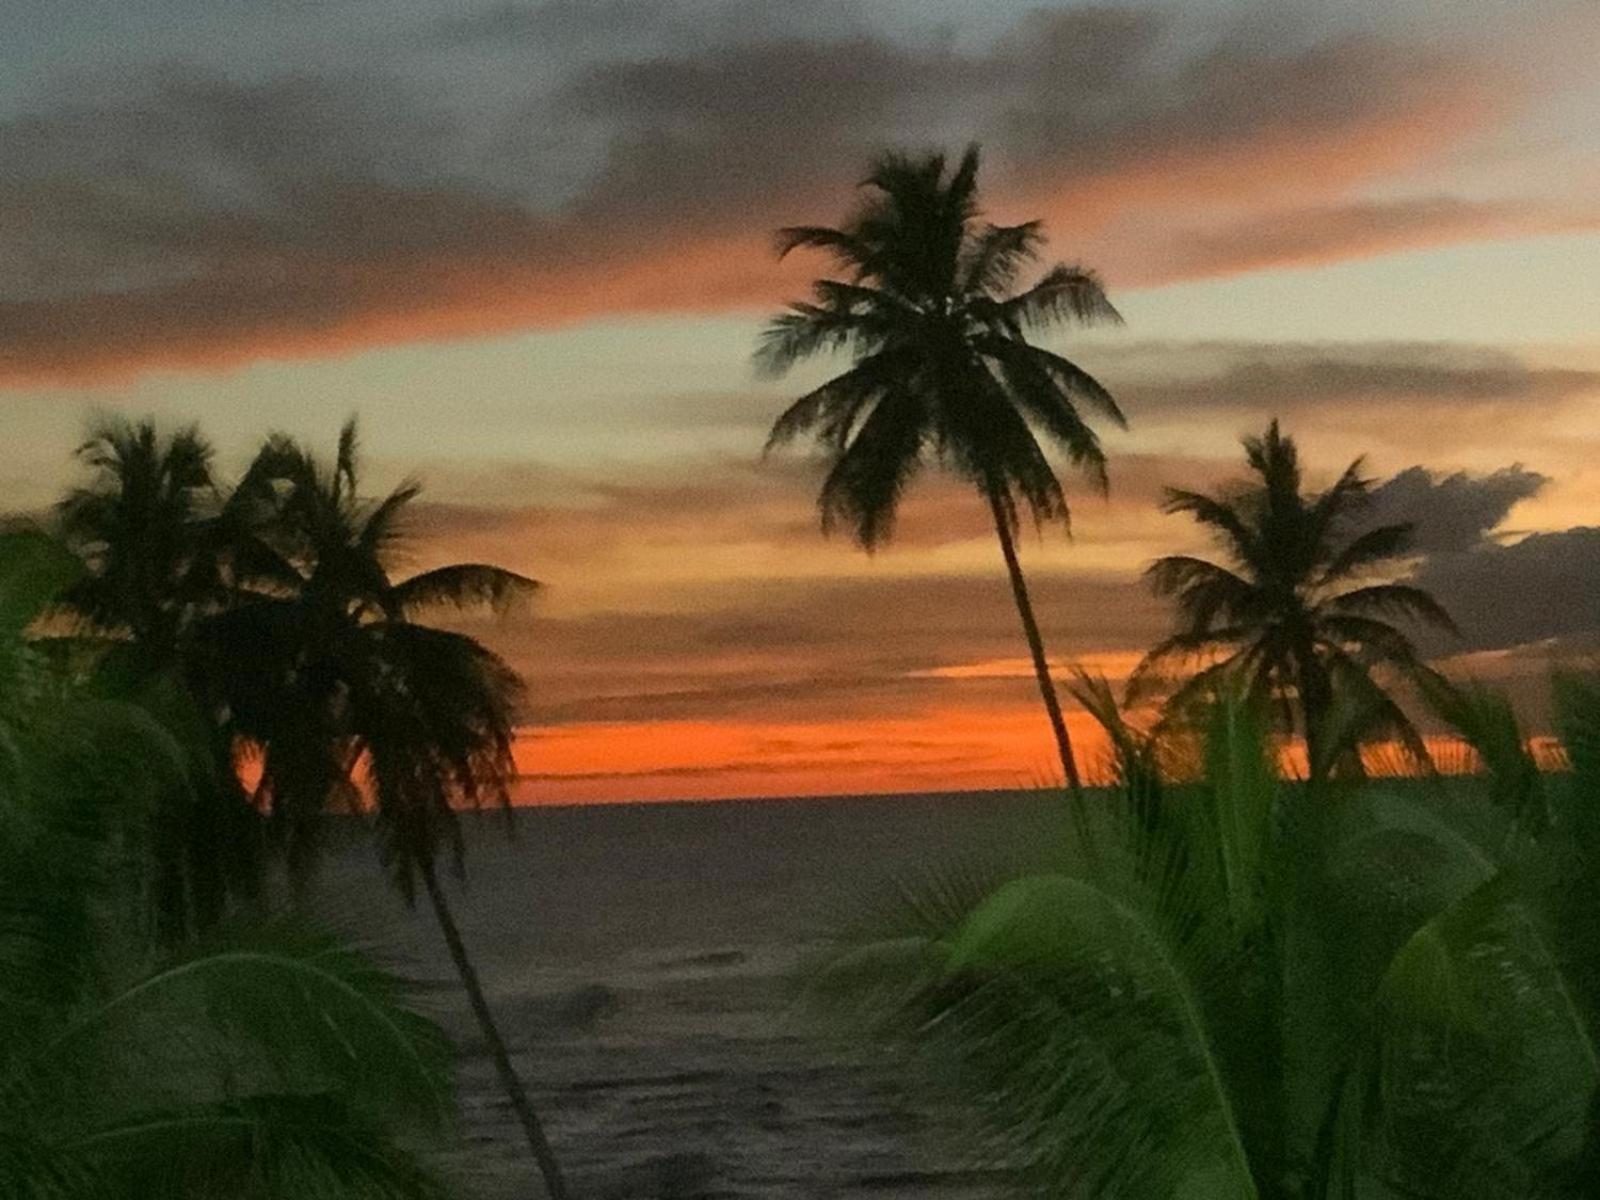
(1264, 989)
(267, 1061)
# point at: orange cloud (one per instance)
(1167, 160)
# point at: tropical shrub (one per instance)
(264, 1061)
(1254, 988)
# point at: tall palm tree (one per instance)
(344, 689)
(1295, 610)
(269, 1062)
(943, 367)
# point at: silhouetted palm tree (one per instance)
(161, 546)
(1294, 610)
(341, 685)
(141, 525)
(942, 365)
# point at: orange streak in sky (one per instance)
(942, 751)
(948, 750)
(945, 750)
(540, 275)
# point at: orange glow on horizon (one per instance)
(938, 751)
(943, 751)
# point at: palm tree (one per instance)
(1294, 610)
(271, 1062)
(161, 550)
(1249, 996)
(942, 366)
(344, 690)
(142, 525)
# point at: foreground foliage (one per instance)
(1260, 989)
(266, 1061)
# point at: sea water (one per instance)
(646, 961)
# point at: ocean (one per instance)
(644, 960)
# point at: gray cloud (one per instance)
(1333, 232)
(1452, 513)
(1284, 376)
(1545, 586)
(191, 217)
(1104, 86)
(552, 23)
(1459, 395)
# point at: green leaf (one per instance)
(289, 1004)
(34, 570)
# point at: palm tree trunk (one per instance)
(1315, 700)
(555, 1186)
(1030, 628)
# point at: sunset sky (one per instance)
(530, 245)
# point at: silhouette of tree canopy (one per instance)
(162, 550)
(144, 524)
(1294, 608)
(332, 669)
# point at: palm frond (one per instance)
(1135, 765)
(1329, 512)
(287, 1146)
(1206, 592)
(288, 1003)
(1397, 599)
(1241, 792)
(1487, 1056)
(1063, 294)
(382, 528)
(995, 255)
(806, 330)
(1070, 381)
(1036, 392)
(1215, 514)
(1063, 1006)
(1486, 720)
(464, 585)
(986, 438)
(845, 246)
(1373, 548)
(1168, 660)
(834, 409)
(1275, 458)
(1380, 716)
(865, 482)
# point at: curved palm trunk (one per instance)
(1030, 628)
(555, 1186)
